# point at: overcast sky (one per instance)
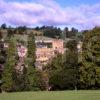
(82, 14)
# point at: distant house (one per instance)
(46, 49)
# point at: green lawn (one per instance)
(63, 95)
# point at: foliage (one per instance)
(20, 80)
(54, 64)
(70, 34)
(90, 67)
(3, 26)
(31, 49)
(9, 66)
(2, 60)
(20, 30)
(1, 35)
(52, 32)
(33, 75)
(63, 79)
(64, 73)
(10, 33)
(34, 78)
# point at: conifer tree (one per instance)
(31, 71)
(90, 67)
(9, 66)
(31, 49)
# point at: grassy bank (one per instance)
(58, 95)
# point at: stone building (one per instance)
(46, 49)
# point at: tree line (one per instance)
(49, 31)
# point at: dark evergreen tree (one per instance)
(9, 66)
(4, 26)
(31, 71)
(90, 66)
(31, 49)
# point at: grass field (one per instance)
(63, 95)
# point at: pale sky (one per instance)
(81, 14)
